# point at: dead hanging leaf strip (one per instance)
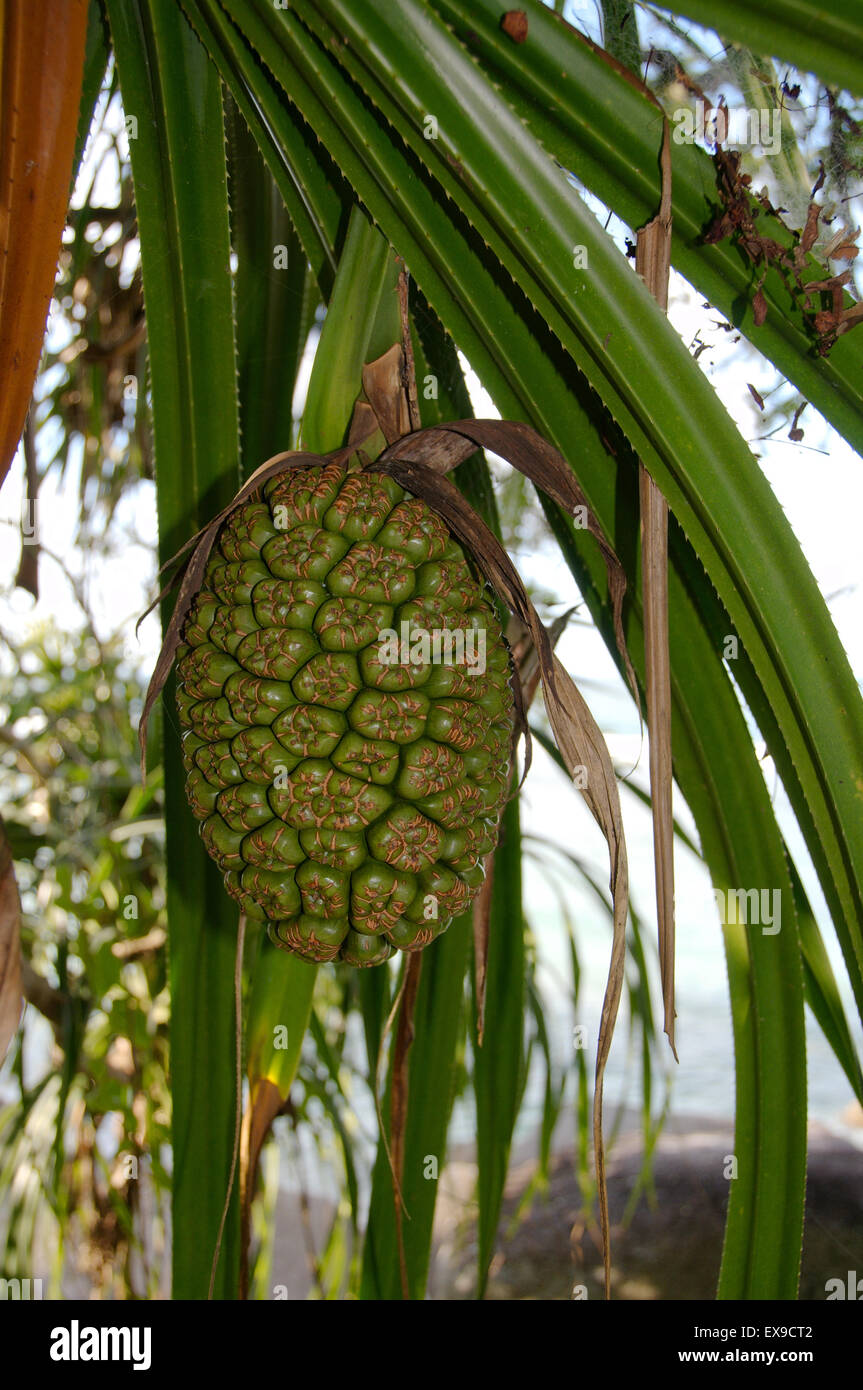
(481, 925)
(652, 263)
(409, 374)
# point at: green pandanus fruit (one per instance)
(343, 685)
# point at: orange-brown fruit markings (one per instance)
(349, 794)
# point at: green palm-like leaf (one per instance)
(362, 322)
(173, 93)
(275, 299)
(439, 1025)
(499, 1062)
(308, 187)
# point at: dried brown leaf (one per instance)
(843, 246)
(384, 384)
(652, 261)
(808, 236)
(737, 218)
(409, 372)
(364, 422)
(654, 520)
(653, 243)
(851, 316)
(42, 69)
(524, 653)
(481, 934)
(829, 285)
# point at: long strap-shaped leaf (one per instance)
(173, 94)
(499, 1064)
(602, 127)
(367, 272)
(652, 263)
(438, 1027)
(310, 190)
(280, 1005)
(274, 303)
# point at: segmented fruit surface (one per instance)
(344, 690)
